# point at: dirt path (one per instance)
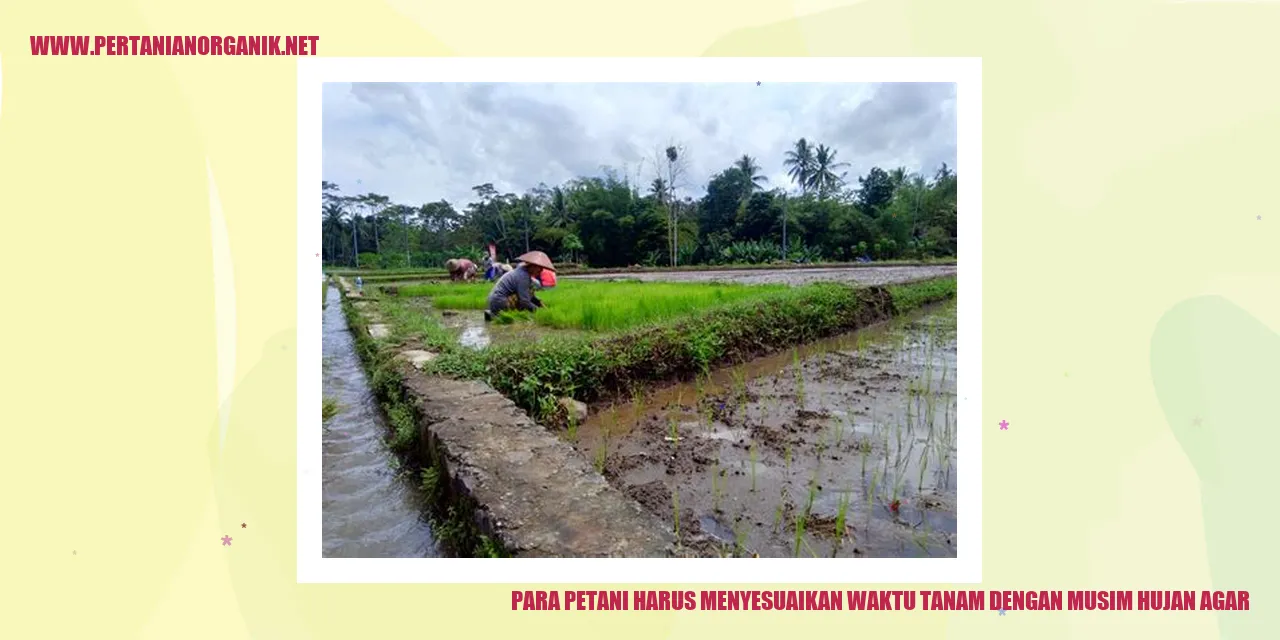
(855, 275)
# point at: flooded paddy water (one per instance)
(844, 447)
(369, 510)
(469, 325)
(474, 333)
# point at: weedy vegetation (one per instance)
(329, 408)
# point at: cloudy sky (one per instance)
(418, 143)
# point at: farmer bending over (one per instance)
(514, 291)
(460, 269)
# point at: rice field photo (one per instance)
(639, 320)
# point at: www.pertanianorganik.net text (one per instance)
(174, 45)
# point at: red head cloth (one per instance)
(548, 278)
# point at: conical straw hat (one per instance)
(537, 258)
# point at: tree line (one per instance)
(609, 220)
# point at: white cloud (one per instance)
(423, 142)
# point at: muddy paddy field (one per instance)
(845, 447)
(742, 419)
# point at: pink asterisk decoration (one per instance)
(226, 541)
(1004, 425)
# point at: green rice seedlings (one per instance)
(871, 494)
(813, 487)
(717, 487)
(897, 434)
(799, 526)
(739, 538)
(673, 432)
(786, 454)
(637, 402)
(799, 374)
(842, 511)
(803, 518)
(675, 509)
(754, 458)
(602, 452)
(740, 384)
(924, 463)
(921, 538)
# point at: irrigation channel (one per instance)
(370, 511)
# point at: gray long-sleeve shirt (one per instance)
(516, 282)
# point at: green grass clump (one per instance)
(601, 306)
(328, 409)
(409, 323)
(909, 297)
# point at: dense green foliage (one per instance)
(535, 374)
(609, 221)
(597, 305)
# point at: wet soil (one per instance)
(765, 458)
(369, 510)
(794, 277)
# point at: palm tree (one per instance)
(333, 222)
(558, 210)
(800, 161)
(402, 213)
(658, 188)
(673, 155)
(351, 205)
(823, 177)
(898, 177)
(747, 165)
(376, 205)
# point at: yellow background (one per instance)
(1128, 149)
